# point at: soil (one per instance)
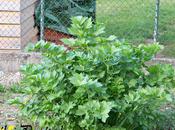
(54, 36)
(8, 113)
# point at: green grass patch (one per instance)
(133, 20)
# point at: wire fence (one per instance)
(133, 20)
(16, 23)
(136, 21)
(55, 17)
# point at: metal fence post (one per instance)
(42, 20)
(95, 9)
(156, 22)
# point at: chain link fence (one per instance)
(54, 16)
(17, 23)
(129, 19)
(167, 21)
(136, 21)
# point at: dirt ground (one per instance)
(8, 113)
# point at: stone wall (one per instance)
(164, 60)
(10, 63)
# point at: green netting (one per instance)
(57, 13)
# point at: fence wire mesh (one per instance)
(136, 21)
(167, 27)
(167, 20)
(57, 16)
(16, 23)
(132, 20)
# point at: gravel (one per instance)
(8, 112)
(8, 79)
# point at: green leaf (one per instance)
(78, 79)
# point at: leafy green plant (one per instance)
(58, 13)
(98, 84)
(2, 88)
(15, 88)
(168, 119)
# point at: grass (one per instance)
(133, 20)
